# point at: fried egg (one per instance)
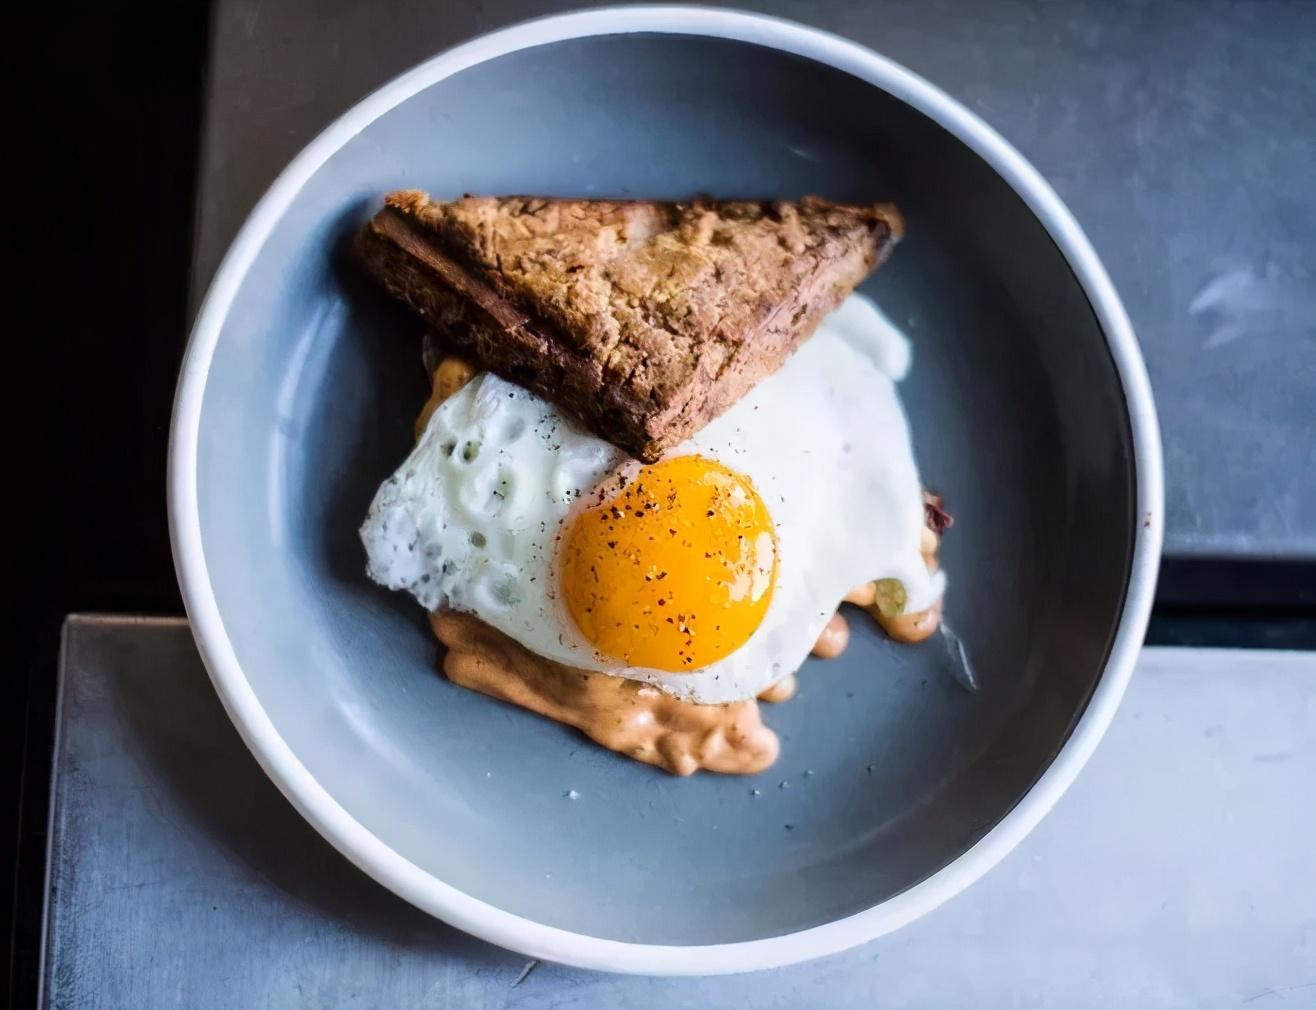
(709, 573)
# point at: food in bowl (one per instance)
(664, 442)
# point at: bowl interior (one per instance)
(889, 770)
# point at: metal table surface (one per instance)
(1177, 872)
(1181, 134)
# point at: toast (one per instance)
(643, 320)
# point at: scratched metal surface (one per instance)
(1182, 134)
(1176, 873)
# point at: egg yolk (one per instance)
(676, 570)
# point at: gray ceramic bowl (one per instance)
(896, 788)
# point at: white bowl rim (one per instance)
(462, 910)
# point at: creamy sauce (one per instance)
(634, 719)
(920, 625)
(910, 628)
(626, 716)
(834, 638)
(451, 374)
(907, 628)
(783, 690)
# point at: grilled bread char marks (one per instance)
(645, 320)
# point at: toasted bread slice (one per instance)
(644, 320)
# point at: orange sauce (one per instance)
(635, 719)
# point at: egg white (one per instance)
(472, 518)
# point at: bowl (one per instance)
(896, 788)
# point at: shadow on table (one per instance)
(196, 757)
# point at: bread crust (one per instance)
(644, 320)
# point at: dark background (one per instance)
(109, 103)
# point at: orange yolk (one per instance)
(676, 570)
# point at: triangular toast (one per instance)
(644, 320)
